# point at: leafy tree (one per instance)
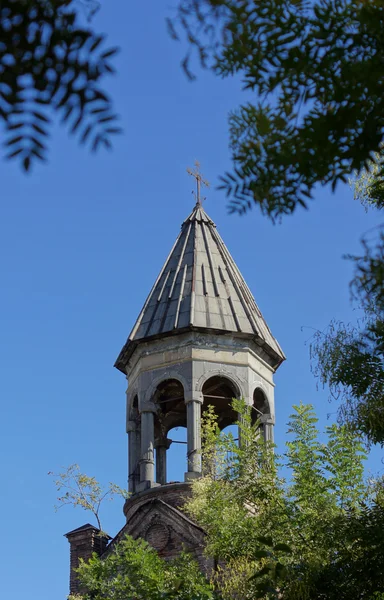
(77, 489)
(306, 537)
(304, 456)
(316, 535)
(316, 67)
(342, 455)
(51, 66)
(349, 359)
(134, 571)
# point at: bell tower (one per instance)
(200, 339)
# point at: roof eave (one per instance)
(130, 346)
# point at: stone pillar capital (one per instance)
(148, 407)
(131, 426)
(267, 419)
(192, 396)
(162, 442)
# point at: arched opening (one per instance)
(177, 454)
(261, 411)
(260, 404)
(219, 392)
(170, 415)
(169, 398)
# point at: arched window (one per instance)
(171, 414)
(219, 392)
(260, 404)
(177, 454)
(169, 397)
(261, 411)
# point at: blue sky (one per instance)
(81, 242)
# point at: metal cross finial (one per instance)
(199, 180)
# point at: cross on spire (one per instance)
(199, 180)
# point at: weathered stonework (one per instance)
(192, 358)
(199, 340)
(173, 494)
(156, 516)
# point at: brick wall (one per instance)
(83, 541)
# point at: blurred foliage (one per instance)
(52, 66)
(316, 69)
(349, 358)
(368, 186)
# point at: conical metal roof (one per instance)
(200, 288)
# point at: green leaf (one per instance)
(280, 570)
(14, 140)
(264, 571)
(96, 43)
(281, 547)
(261, 554)
(14, 153)
(27, 163)
(110, 52)
(267, 541)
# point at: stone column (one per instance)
(161, 447)
(137, 443)
(133, 454)
(242, 441)
(193, 402)
(147, 462)
(267, 424)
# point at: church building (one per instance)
(199, 340)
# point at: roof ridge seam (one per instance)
(180, 296)
(180, 261)
(193, 282)
(235, 283)
(210, 261)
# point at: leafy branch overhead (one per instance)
(346, 357)
(49, 63)
(316, 68)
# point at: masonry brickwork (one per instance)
(84, 541)
(157, 516)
